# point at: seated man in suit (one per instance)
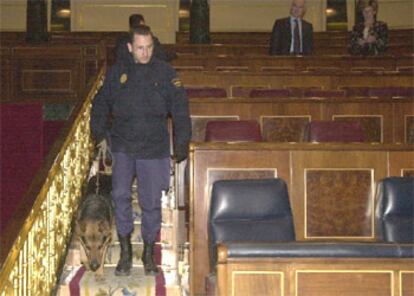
(292, 35)
(121, 49)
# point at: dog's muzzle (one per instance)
(94, 265)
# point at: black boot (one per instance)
(147, 258)
(124, 265)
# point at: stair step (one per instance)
(112, 254)
(137, 283)
(110, 284)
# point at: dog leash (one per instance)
(102, 154)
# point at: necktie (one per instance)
(296, 38)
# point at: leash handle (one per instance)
(103, 151)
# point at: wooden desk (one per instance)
(331, 187)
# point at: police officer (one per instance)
(140, 95)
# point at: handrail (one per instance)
(34, 259)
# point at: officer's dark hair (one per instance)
(139, 30)
(135, 20)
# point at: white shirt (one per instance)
(292, 30)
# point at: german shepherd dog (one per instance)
(94, 223)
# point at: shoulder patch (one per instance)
(123, 78)
(177, 82)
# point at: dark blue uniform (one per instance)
(139, 98)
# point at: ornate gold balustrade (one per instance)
(32, 265)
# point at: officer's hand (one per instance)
(101, 145)
(181, 154)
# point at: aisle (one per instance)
(76, 281)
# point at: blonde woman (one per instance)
(369, 37)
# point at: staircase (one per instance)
(171, 255)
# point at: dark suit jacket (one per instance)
(281, 37)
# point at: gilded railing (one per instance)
(32, 264)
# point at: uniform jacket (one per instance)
(281, 37)
(379, 30)
(139, 98)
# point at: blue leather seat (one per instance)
(395, 210)
(253, 219)
(249, 211)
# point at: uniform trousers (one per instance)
(153, 176)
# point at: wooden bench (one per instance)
(259, 63)
(395, 35)
(244, 49)
(340, 211)
(283, 119)
(322, 276)
(259, 245)
(228, 80)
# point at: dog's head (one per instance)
(94, 236)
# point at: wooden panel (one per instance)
(90, 50)
(257, 283)
(244, 90)
(232, 68)
(42, 79)
(225, 107)
(311, 65)
(403, 121)
(338, 193)
(49, 73)
(407, 283)
(401, 163)
(371, 125)
(226, 38)
(304, 161)
(376, 118)
(46, 81)
(408, 173)
(346, 283)
(91, 68)
(53, 73)
(278, 80)
(283, 128)
(321, 48)
(321, 276)
(409, 129)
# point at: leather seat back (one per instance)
(206, 92)
(233, 131)
(395, 210)
(249, 210)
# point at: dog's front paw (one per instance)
(99, 277)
